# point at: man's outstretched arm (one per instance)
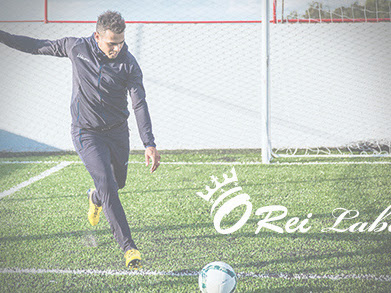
(59, 48)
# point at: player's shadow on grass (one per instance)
(70, 234)
(120, 192)
(165, 229)
(103, 232)
(326, 236)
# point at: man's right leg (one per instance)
(96, 157)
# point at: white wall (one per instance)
(330, 84)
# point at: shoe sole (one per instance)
(135, 264)
(95, 215)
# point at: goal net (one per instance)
(330, 78)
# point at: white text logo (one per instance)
(81, 56)
(234, 198)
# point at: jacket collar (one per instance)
(102, 56)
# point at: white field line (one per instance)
(332, 163)
(384, 278)
(213, 163)
(34, 179)
(39, 162)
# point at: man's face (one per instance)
(110, 43)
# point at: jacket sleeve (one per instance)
(139, 105)
(59, 48)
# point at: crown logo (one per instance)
(227, 180)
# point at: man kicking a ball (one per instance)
(103, 72)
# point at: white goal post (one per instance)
(266, 145)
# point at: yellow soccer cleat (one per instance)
(94, 210)
(133, 259)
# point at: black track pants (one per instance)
(105, 154)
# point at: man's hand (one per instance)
(152, 153)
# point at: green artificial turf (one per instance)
(14, 174)
(45, 226)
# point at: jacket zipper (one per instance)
(100, 95)
(99, 78)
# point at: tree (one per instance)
(371, 9)
(315, 10)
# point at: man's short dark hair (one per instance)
(110, 20)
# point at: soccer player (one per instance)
(103, 72)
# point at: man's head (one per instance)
(110, 33)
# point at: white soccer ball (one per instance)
(217, 277)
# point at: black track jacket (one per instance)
(100, 85)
